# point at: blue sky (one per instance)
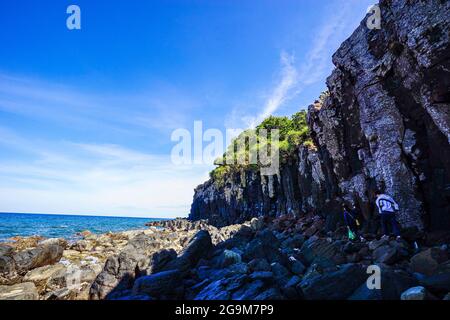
(86, 115)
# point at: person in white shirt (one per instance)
(387, 208)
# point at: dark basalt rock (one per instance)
(336, 285)
(385, 123)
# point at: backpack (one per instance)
(351, 234)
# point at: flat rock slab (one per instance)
(21, 291)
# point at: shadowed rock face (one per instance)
(386, 123)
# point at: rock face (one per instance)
(385, 123)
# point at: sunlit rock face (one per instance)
(386, 123)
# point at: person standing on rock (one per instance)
(387, 208)
(351, 218)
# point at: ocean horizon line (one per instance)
(85, 215)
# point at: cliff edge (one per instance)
(385, 124)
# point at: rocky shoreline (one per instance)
(48, 269)
(281, 258)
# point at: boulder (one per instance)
(83, 245)
(37, 257)
(315, 249)
(296, 266)
(21, 291)
(374, 244)
(290, 291)
(250, 291)
(259, 265)
(393, 284)
(40, 276)
(438, 284)
(158, 284)
(336, 285)
(199, 247)
(264, 246)
(120, 270)
(7, 265)
(229, 257)
(238, 268)
(295, 241)
(386, 254)
(54, 241)
(427, 262)
(257, 224)
(415, 293)
(281, 273)
(214, 291)
(6, 250)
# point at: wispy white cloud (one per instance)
(94, 178)
(161, 107)
(333, 25)
(288, 79)
(82, 173)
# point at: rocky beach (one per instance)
(263, 259)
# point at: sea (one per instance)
(64, 226)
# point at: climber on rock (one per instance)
(352, 220)
(387, 208)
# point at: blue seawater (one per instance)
(64, 226)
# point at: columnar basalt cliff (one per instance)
(385, 124)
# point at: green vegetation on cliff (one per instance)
(293, 132)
